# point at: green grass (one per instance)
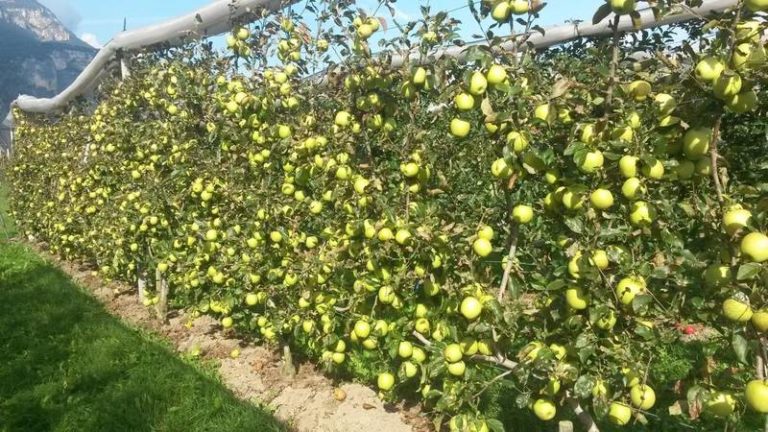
(67, 365)
(7, 226)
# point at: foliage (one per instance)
(347, 211)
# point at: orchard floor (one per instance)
(80, 354)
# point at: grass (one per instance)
(67, 365)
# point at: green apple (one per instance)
(593, 161)
(251, 299)
(410, 169)
(402, 236)
(632, 188)
(522, 214)
(696, 142)
(601, 199)
(735, 219)
(482, 247)
(757, 395)
(544, 409)
(588, 133)
(639, 89)
(619, 413)
(747, 55)
(572, 198)
(496, 74)
(516, 141)
(501, 11)
(385, 234)
(501, 169)
(742, 102)
(600, 259)
(665, 104)
(720, 404)
(622, 7)
(485, 232)
(362, 329)
(464, 101)
(409, 369)
(653, 170)
(544, 113)
(607, 321)
(755, 247)
(452, 353)
(419, 76)
(227, 322)
(471, 308)
(704, 167)
(519, 7)
(756, 5)
(385, 381)
(641, 214)
(405, 349)
(685, 169)
(477, 83)
(629, 287)
(343, 118)
(460, 128)
(748, 31)
(736, 310)
(643, 397)
(760, 320)
(709, 69)
(457, 369)
(628, 166)
(717, 275)
(576, 298)
(727, 85)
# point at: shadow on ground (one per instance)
(67, 365)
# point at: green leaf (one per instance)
(740, 347)
(494, 424)
(601, 13)
(748, 271)
(583, 387)
(574, 224)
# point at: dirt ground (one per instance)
(306, 402)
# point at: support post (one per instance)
(162, 293)
(141, 282)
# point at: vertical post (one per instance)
(288, 369)
(162, 292)
(142, 282)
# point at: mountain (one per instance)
(38, 55)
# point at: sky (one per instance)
(96, 21)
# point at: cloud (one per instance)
(67, 14)
(91, 40)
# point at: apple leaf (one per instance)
(602, 13)
(583, 387)
(495, 425)
(748, 271)
(740, 347)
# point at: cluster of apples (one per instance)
(237, 41)
(501, 10)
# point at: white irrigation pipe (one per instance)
(216, 18)
(568, 32)
(210, 20)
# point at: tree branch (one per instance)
(584, 416)
(510, 260)
(421, 338)
(713, 154)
